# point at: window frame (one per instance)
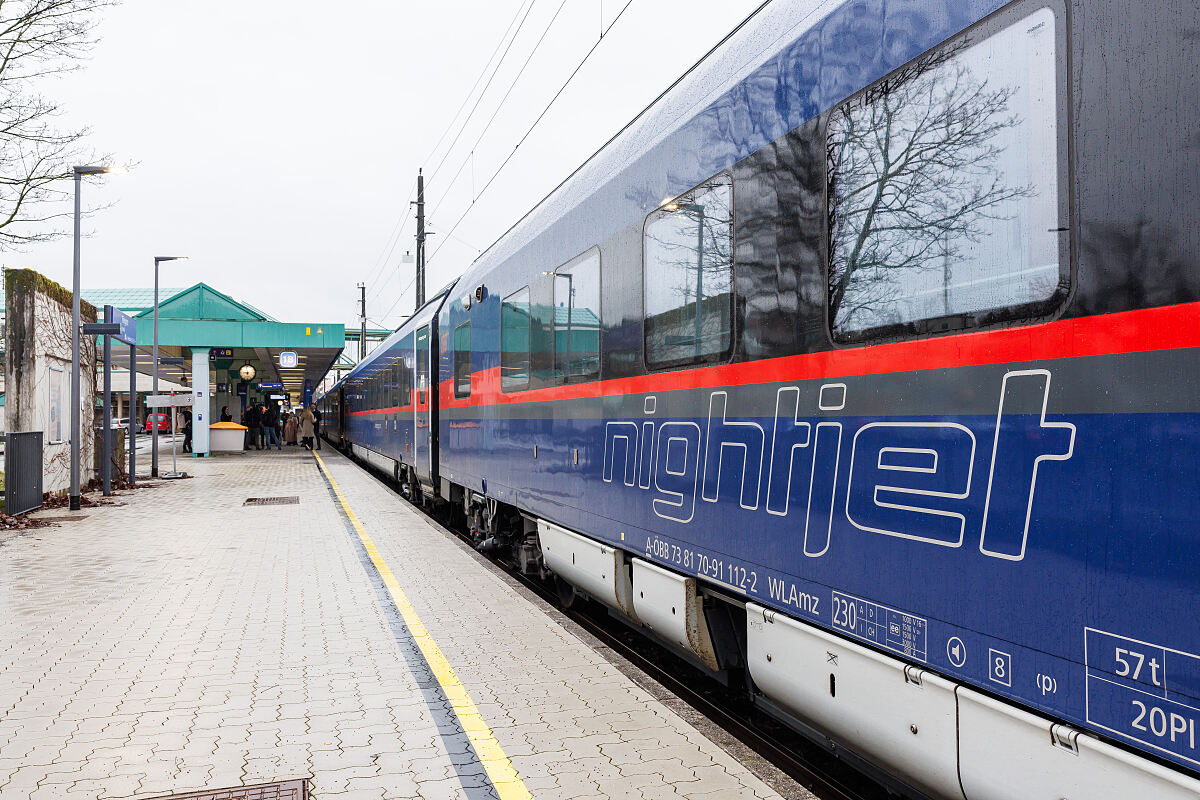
(577, 261)
(1034, 313)
(421, 393)
(458, 393)
(528, 340)
(715, 359)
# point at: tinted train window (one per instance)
(577, 318)
(422, 363)
(944, 200)
(462, 360)
(688, 272)
(514, 341)
(405, 381)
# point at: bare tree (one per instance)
(39, 39)
(914, 175)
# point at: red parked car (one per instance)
(158, 422)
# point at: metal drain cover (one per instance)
(281, 790)
(271, 501)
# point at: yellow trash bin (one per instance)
(226, 437)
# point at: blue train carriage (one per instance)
(391, 403)
(862, 364)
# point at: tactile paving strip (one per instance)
(281, 790)
(271, 501)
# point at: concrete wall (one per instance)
(38, 373)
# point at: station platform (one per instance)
(181, 640)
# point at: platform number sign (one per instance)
(288, 359)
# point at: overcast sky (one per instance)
(277, 143)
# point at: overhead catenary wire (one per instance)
(400, 297)
(482, 72)
(462, 128)
(449, 234)
(757, 10)
(397, 231)
(393, 239)
(500, 106)
(458, 239)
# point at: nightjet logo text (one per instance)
(913, 480)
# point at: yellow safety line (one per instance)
(500, 770)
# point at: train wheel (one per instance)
(566, 592)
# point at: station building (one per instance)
(226, 352)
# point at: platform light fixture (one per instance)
(154, 437)
(78, 172)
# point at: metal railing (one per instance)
(22, 471)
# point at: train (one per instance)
(861, 369)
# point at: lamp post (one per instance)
(154, 388)
(78, 173)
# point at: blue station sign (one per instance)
(128, 324)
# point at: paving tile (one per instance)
(179, 641)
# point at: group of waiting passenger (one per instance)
(270, 423)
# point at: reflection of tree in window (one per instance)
(688, 273)
(942, 185)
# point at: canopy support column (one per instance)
(200, 401)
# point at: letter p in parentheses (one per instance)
(1024, 439)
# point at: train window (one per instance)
(394, 377)
(406, 382)
(514, 341)
(422, 363)
(577, 318)
(688, 273)
(462, 360)
(945, 210)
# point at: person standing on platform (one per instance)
(225, 415)
(262, 428)
(290, 429)
(269, 421)
(252, 419)
(187, 431)
(316, 412)
(306, 427)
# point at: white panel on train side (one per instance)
(380, 462)
(904, 720)
(1009, 754)
(597, 569)
(669, 605)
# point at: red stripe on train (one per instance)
(1166, 328)
(394, 410)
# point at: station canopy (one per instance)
(239, 335)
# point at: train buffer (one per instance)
(285, 617)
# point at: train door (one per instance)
(339, 415)
(425, 391)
